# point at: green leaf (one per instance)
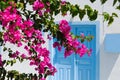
(4, 49)
(114, 15)
(114, 2)
(92, 1)
(8, 62)
(110, 20)
(14, 61)
(87, 7)
(106, 16)
(103, 1)
(3, 5)
(89, 38)
(92, 15)
(20, 59)
(118, 7)
(1, 34)
(57, 12)
(20, 5)
(11, 63)
(82, 40)
(9, 50)
(81, 14)
(74, 11)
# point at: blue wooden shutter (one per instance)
(74, 67)
(112, 43)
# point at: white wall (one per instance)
(110, 63)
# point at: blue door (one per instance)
(75, 67)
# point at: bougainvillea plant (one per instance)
(23, 27)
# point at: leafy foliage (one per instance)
(92, 1)
(114, 2)
(103, 1)
(109, 18)
(92, 14)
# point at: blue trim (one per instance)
(112, 43)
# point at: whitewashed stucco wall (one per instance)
(110, 63)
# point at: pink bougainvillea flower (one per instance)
(47, 10)
(82, 35)
(17, 35)
(26, 48)
(19, 44)
(29, 32)
(41, 5)
(15, 54)
(64, 27)
(46, 59)
(48, 3)
(68, 53)
(63, 2)
(28, 23)
(89, 52)
(43, 63)
(42, 79)
(23, 56)
(1, 64)
(38, 5)
(52, 69)
(32, 63)
(72, 42)
(41, 69)
(82, 50)
(40, 13)
(49, 37)
(56, 44)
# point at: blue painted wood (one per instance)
(85, 65)
(112, 43)
(74, 67)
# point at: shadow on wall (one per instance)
(107, 62)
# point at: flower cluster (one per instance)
(39, 6)
(42, 60)
(10, 21)
(73, 45)
(18, 31)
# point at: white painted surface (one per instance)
(109, 63)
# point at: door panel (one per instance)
(85, 65)
(65, 66)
